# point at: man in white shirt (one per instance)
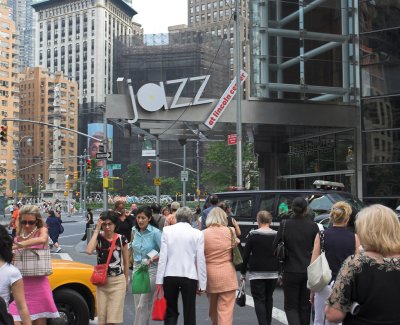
(182, 267)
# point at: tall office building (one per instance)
(22, 15)
(217, 18)
(37, 92)
(9, 101)
(77, 37)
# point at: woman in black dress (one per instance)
(367, 288)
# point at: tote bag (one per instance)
(141, 280)
(159, 306)
(319, 273)
(33, 262)
(236, 256)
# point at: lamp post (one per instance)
(18, 156)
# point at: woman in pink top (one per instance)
(221, 274)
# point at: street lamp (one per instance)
(18, 153)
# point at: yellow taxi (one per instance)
(74, 294)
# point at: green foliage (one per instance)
(94, 179)
(220, 166)
(170, 185)
(134, 182)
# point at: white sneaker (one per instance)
(58, 250)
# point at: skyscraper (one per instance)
(22, 15)
(8, 95)
(77, 37)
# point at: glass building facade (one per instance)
(380, 100)
(306, 52)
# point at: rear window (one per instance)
(241, 205)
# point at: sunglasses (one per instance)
(28, 222)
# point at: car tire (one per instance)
(72, 307)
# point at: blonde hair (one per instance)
(378, 229)
(32, 210)
(217, 216)
(340, 212)
(264, 217)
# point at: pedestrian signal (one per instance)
(88, 165)
(148, 167)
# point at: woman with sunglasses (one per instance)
(31, 233)
(111, 296)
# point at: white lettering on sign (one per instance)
(225, 100)
(152, 97)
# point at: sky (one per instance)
(156, 15)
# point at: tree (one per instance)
(134, 183)
(220, 166)
(94, 179)
(170, 185)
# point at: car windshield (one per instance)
(323, 203)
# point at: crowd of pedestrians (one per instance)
(188, 254)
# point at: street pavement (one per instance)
(75, 249)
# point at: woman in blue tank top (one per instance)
(339, 243)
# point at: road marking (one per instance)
(65, 256)
(277, 314)
(72, 235)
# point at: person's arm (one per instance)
(237, 228)
(17, 289)
(93, 241)
(246, 254)
(340, 301)
(42, 239)
(201, 264)
(162, 262)
(125, 258)
(316, 252)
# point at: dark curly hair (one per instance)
(6, 243)
(112, 216)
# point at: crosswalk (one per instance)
(277, 313)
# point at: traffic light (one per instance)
(67, 186)
(88, 165)
(148, 166)
(3, 133)
(76, 175)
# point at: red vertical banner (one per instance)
(232, 139)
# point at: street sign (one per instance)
(148, 153)
(103, 155)
(114, 166)
(157, 181)
(106, 173)
(184, 176)
(232, 139)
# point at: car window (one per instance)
(267, 202)
(320, 203)
(242, 206)
(285, 203)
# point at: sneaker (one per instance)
(57, 250)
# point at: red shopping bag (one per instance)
(159, 306)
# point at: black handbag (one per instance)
(281, 250)
(241, 295)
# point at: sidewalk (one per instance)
(75, 217)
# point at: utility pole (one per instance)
(158, 168)
(84, 180)
(238, 51)
(105, 142)
(80, 183)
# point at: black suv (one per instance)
(246, 204)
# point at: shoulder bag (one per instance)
(318, 272)
(99, 275)
(281, 250)
(241, 295)
(236, 256)
(33, 261)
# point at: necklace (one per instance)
(30, 234)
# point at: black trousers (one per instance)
(188, 287)
(262, 292)
(296, 296)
